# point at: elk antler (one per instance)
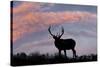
(50, 31)
(62, 32)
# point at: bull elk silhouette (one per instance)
(63, 44)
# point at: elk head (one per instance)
(58, 35)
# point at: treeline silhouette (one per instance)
(36, 59)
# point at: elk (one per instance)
(63, 44)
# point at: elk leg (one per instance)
(59, 52)
(74, 53)
(65, 53)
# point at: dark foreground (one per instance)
(37, 59)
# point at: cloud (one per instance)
(25, 7)
(28, 17)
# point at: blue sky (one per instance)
(62, 7)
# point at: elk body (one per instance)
(63, 44)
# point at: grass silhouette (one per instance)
(37, 59)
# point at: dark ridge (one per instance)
(21, 59)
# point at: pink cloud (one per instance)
(26, 6)
(32, 22)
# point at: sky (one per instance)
(32, 19)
